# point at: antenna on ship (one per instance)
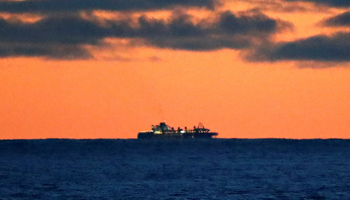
(200, 125)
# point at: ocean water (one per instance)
(175, 169)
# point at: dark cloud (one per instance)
(56, 30)
(58, 38)
(228, 31)
(49, 6)
(68, 35)
(322, 48)
(333, 3)
(201, 43)
(339, 20)
(66, 52)
(258, 23)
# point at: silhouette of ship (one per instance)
(163, 131)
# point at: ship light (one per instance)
(182, 131)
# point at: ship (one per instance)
(164, 131)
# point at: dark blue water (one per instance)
(181, 169)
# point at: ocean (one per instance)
(175, 169)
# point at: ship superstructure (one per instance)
(165, 131)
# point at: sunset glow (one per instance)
(242, 69)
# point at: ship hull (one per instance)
(151, 135)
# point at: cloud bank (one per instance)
(338, 20)
(63, 33)
(49, 6)
(68, 35)
(333, 3)
(335, 48)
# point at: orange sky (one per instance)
(126, 89)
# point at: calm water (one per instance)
(182, 169)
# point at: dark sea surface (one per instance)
(175, 169)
